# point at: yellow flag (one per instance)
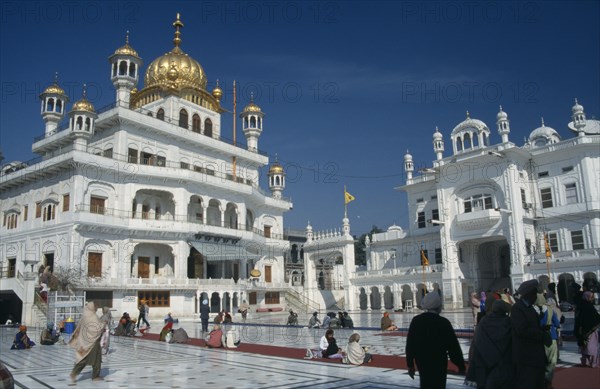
(348, 197)
(424, 260)
(548, 250)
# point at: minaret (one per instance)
(409, 167)
(578, 118)
(54, 102)
(438, 144)
(252, 118)
(125, 69)
(309, 233)
(276, 179)
(503, 125)
(82, 117)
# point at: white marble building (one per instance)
(483, 212)
(146, 198)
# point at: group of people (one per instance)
(482, 302)
(342, 320)
(517, 345)
(126, 326)
(355, 354)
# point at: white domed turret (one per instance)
(503, 125)
(309, 232)
(543, 136)
(409, 167)
(578, 118)
(252, 120)
(470, 134)
(438, 144)
(276, 179)
(82, 117)
(54, 102)
(125, 64)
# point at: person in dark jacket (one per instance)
(204, 314)
(490, 357)
(529, 355)
(430, 340)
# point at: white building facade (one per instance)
(145, 198)
(483, 214)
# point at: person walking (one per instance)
(430, 340)
(490, 356)
(144, 311)
(549, 322)
(204, 315)
(529, 356)
(86, 342)
(587, 323)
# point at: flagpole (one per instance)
(345, 204)
(548, 255)
(234, 162)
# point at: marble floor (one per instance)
(136, 363)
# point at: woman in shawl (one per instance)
(332, 351)
(22, 341)
(106, 318)
(167, 329)
(356, 353)
(587, 322)
(86, 342)
(490, 357)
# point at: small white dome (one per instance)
(394, 227)
(437, 135)
(501, 115)
(543, 135)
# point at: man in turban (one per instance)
(204, 313)
(430, 340)
(529, 356)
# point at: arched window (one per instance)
(208, 128)
(485, 140)
(277, 182)
(123, 68)
(252, 122)
(475, 140)
(132, 70)
(87, 124)
(246, 122)
(259, 123)
(459, 145)
(183, 118)
(114, 69)
(196, 123)
(59, 106)
(79, 122)
(50, 105)
(160, 114)
(467, 141)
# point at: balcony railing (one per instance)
(563, 256)
(168, 217)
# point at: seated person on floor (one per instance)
(215, 337)
(292, 319)
(348, 322)
(22, 341)
(126, 326)
(49, 336)
(180, 336)
(327, 320)
(332, 351)
(314, 321)
(386, 323)
(357, 354)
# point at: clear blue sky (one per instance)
(347, 87)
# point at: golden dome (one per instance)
(55, 89)
(126, 50)
(217, 92)
(83, 104)
(276, 169)
(251, 107)
(175, 70)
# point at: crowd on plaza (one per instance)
(515, 344)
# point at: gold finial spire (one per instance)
(127, 38)
(177, 24)
(56, 78)
(252, 97)
(84, 97)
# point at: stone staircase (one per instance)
(300, 303)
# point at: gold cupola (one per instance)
(126, 49)
(217, 92)
(175, 70)
(83, 104)
(176, 73)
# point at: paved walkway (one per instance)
(136, 363)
